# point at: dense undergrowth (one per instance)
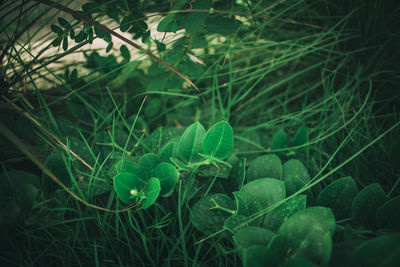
(255, 133)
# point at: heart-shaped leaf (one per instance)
(127, 186)
(275, 218)
(252, 235)
(338, 196)
(267, 191)
(205, 215)
(148, 163)
(308, 233)
(168, 176)
(190, 143)
(218, 140)
(151, 192)
(365, 205)
(265, 166)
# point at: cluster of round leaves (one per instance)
(271, 224)
(157, 174)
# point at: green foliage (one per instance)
(388, 215)
(218, 141)
(295, 176)
(267, 191)
(265, 166)
(190, 143)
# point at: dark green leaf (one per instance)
(301, 136)
(126, 23)
(91, 7)
(246, 203)
(65, 24)
(190, 143)
(236, 222)
(265, 166)
(195, 20)
(56, 42)
(388, 215)
(295, 175)
(222, 25)
(383, 251)
(275, 218)
(259, 256)
(125, 52)
(338, 196)
(57, 30)
(218, 140)
(80, 37)
(267, 191)
(65, 43)
(299, 262)
(148, 163)
(72, 33)
(206, 218)
(365, 205)
(252, 235)
(109, 47)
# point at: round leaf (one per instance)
(151, 192)
(259, 256)
(267, 191)
(295, 175)
(265, 166)
(190, 143)
(388, 215)
(365, 205)
(124, 183)
(168, 176)
(338, 196)
(148, 162)
(218, 140)
(279, 140)
(246, 203)
(252, 235)
(275, 218)
(206, 218)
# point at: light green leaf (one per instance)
(252, 235)
(126, 165)
(195, 20)
(218, 140)
(127, 186)
(190, 143)
(279, 140)
(151, 192)
(267, 191)
(166, 152)
(168, 176)
(206, 218)
(275, 218)
(338, 196)
(366, 204)
(265, 166)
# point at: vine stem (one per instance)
(117, 35)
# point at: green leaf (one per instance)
(65, 24)
(366, 204)
(265, 166)
(252, 235)
(151, 191)
(388, 215)
(55, 163)
(190, 143)
(295, 175)
(275, 218)
(168, 176)
(148, 163)
(127, 186)
(308, 233)
(25, 197)
(72, 33)
(127, 165)
(383, 251)
(338, 196)
(80, 37)
(301, 136)
(279, 140)
(126, 23)
(195, 20)
(57, 30)
(171, 23)
(65, 43)
(222, 25)
(9, 211)
(236, 222)
(259, 256)
(206, 218)
(91, 7)
(56, 42)
(218, 140)
(299, 262)
(246, 203)
(125, 52)
(267, 191)
(166, 152)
